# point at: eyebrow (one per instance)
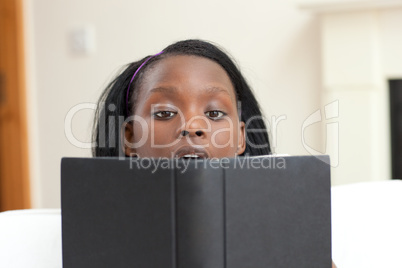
(173, 90)
(214, 90)
(163, 90)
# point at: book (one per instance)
(184, 213)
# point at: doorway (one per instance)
(14, 170)
(395, 93)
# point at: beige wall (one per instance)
(360, 52)
(276, 45)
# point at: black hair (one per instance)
(112, 103)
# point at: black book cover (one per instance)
(196, 213)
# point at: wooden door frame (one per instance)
(14, 157)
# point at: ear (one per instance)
(241, 145)
(128, 139)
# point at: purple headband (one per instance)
(128, 89)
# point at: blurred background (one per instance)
(326, 72)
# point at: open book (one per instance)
(235, 213)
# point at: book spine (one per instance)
(200, 232)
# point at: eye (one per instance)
(164, 114)
(215, 114)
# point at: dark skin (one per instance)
(187, 93)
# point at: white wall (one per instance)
(360, 52)
(276, 45)
(352, 75)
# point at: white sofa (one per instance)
(367, 225)
(366, 230)
(30, 238)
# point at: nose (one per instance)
(195, 126)
(198, 133)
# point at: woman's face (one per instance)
(186, 107)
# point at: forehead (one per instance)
(187, 74)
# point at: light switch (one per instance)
(82, 40)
